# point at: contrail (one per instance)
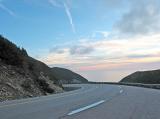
(67, 10)
(7, 9)
(69, 17)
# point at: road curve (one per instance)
(91, 101)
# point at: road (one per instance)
(91, 101)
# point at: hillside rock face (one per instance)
(66, 76)
(22, 76)
(15, 84)
(146, 77)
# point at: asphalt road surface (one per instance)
(91, 101)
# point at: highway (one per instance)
(91, 101)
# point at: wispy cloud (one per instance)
(55, 3)
(57, 50)
(81, 50)
(6, 9)
(99, 54)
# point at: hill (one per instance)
(23, 76)
(67, 76)
(146, 77)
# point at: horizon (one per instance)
(102, 40)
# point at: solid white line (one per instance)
(85, 108)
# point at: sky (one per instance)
(103, 40)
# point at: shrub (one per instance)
(45, 86)
(10, 53)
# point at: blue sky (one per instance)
(103, 40)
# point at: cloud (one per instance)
(100, 53)
(72, 50)
(3, 7)
(57, 50)
(54, 3)
(64, 4)
(138, 56)
(81, 50)
(142, 18)
(100, 34)
(112, 4)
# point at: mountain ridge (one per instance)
(146, 77)
(72, 77)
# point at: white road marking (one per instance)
(50, 98)
(121, 91)
(85, 108)
(119, 86)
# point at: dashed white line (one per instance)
(119, 86)
(121, 91)
(85, 108)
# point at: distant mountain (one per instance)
(67, 76)
(146, 77)
(23, 76)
